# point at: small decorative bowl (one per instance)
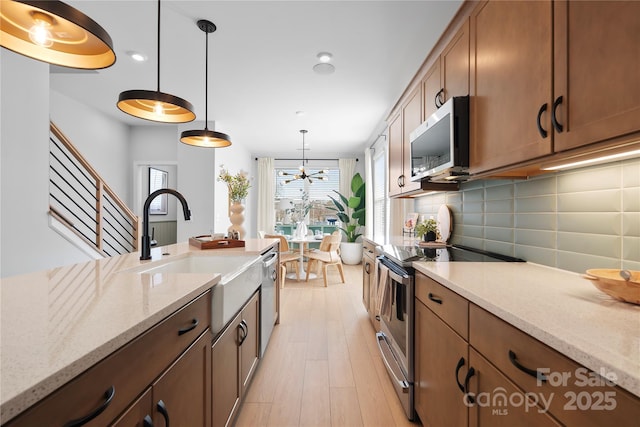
(610, 282)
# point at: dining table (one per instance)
(302, 242)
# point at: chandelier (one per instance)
(302, 174)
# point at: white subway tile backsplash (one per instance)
(577, 219)
(590, 201)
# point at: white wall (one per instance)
(102, 140)
(28, 244)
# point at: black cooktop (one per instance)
(404, 255)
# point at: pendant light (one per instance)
(205, 137)
(56, 33)
(303, 175)
(155, 105)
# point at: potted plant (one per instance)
(351, 212)
(427, 229)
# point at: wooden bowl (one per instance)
(610, 282)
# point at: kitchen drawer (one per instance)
(446, 304)
(368, 248)
(580, 398)
(125, 374)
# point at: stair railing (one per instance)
(80, 199)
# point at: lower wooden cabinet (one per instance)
(498, 375)
(440, 353)
(180, 396)
(234, 360)
(369, 285)
(118, 386)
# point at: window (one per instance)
(288, 199)
(379, 195)
(158, 179)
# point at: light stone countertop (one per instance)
(557, 307)
(55, 324)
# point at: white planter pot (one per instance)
(351, 253)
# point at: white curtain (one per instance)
(266, 195)
(368, 192)
(347, 170)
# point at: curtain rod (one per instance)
(308, 159)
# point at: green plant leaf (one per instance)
(356, 183)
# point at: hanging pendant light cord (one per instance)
(158, 46)
(206, 81)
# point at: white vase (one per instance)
(351, 253)
(237, 218)
(301, 229)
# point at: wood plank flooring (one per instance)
(322, 366)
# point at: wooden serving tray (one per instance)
(206, 242)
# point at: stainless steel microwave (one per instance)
(440, 145)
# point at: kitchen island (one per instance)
(56, 324)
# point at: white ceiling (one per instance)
(260, 65)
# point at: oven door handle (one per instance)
(403, 280)
(386, 354)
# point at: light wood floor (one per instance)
(322, 366)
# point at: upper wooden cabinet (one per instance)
(400, 127)
(596, 69)
(511, 83)
(547, 77)
(449, 75)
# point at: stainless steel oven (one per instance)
(395, 338)
(395, 306)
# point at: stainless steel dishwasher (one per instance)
(268, 297)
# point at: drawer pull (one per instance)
(533, 372)
(147, 421)
(458, 367)
(435, 298)
(108, 396)
(162, 408)
(191, 327)
(471, 372)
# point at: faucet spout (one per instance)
(145, 250)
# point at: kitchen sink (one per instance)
(241, 276)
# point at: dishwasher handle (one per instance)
(269, 259)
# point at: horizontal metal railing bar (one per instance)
(122, 226)
(119, 211)
(54, 213)
(113, 237)
(77, 217)
(74, 202)
(90, 179)
(71, 186)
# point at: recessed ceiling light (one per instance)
(137, 56)
(324, 68)
(324, 56)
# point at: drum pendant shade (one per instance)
(155, 105)
(56, 33)
(204, 137)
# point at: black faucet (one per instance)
(145, 251)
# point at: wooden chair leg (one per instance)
(324, 273)
(341, 272)
(283, 274)
(309, 263)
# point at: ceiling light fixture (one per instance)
(137, 56)
(324, 56)
(205, 137)
(56, 33)
(155, 105)
(303, 175)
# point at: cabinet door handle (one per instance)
(108, 397)
(458, 367)
(438, 100)
(471, 372)
(400, 181)
(274, 275)
(533, 372)
(147, 422)
(245, 331)
(541, 130)
(191, 327)
(367, 267)
(554, 119)
(435, 298)
(162, 408)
